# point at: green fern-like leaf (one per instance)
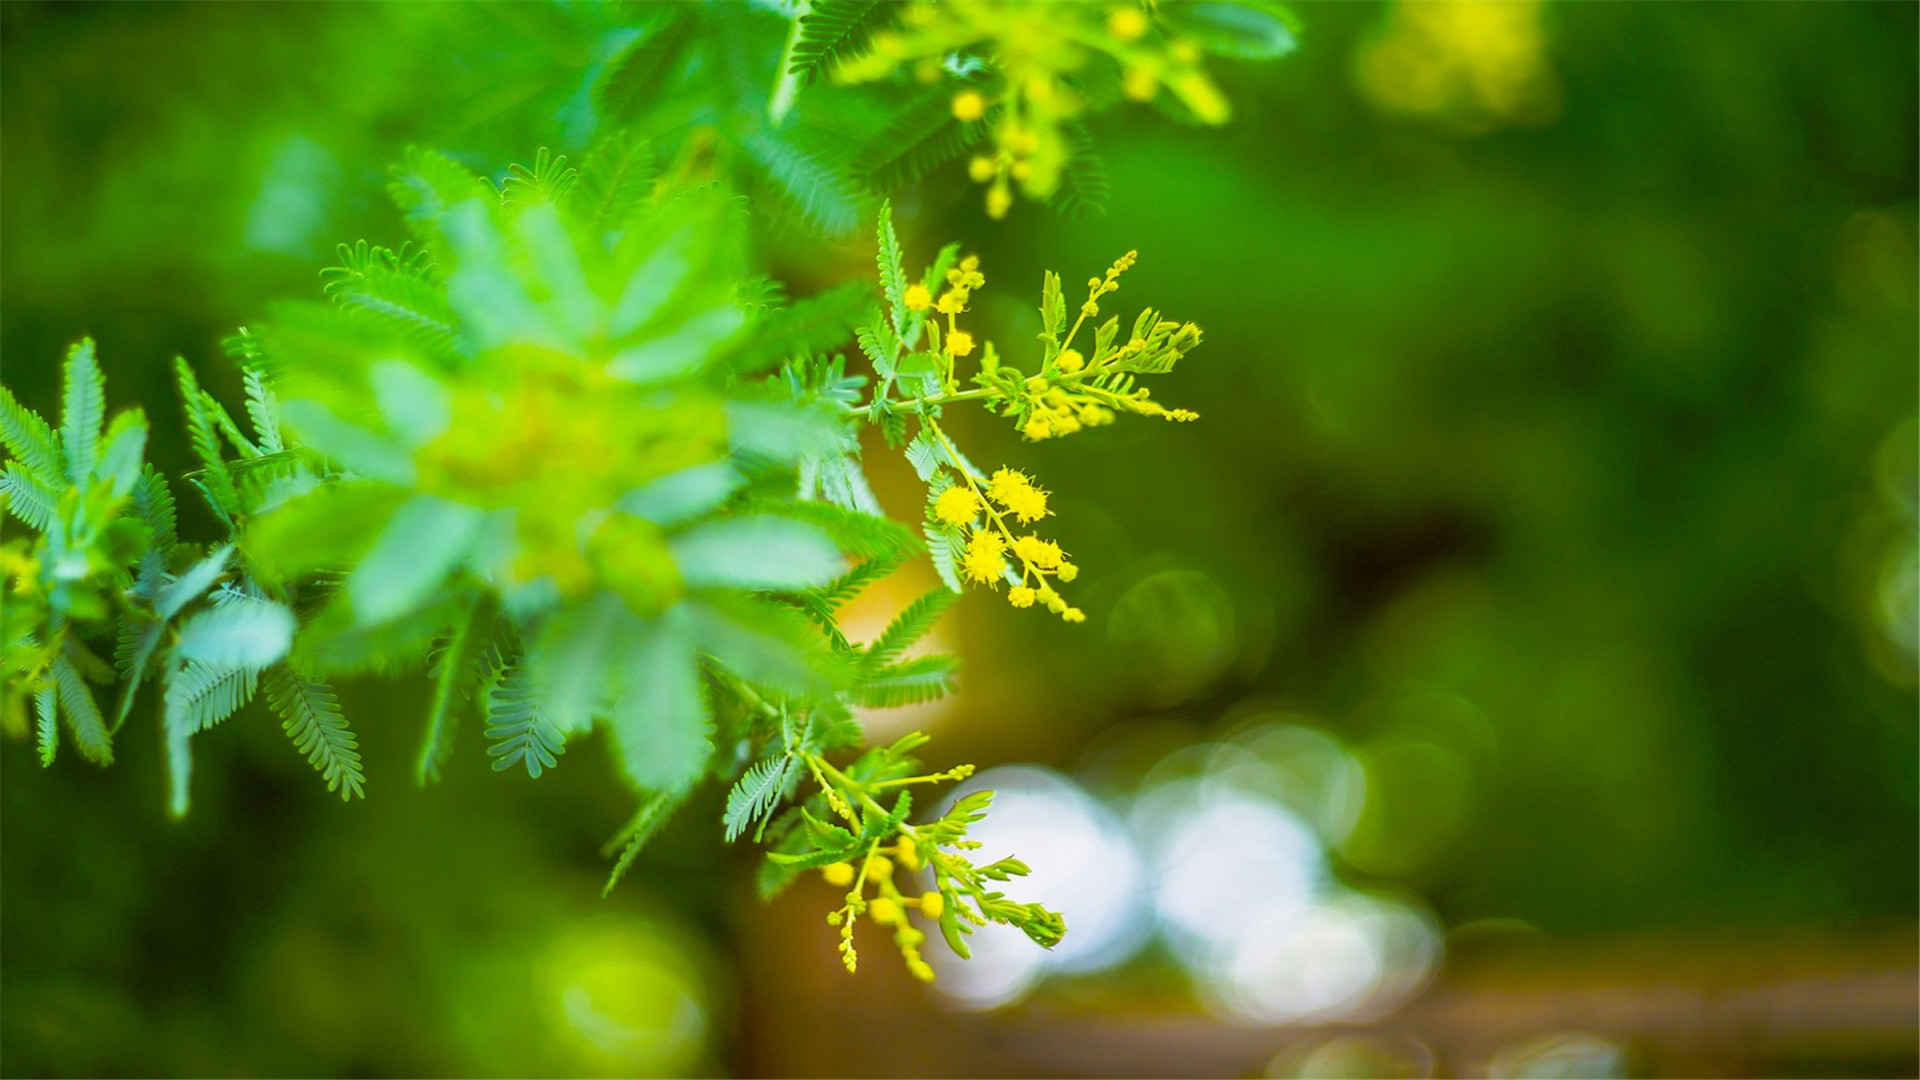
(893, 272)
(801, 165)
(27, 498)
(215, 481)
(83, 410)
(636, 77)
(201, 695)
(1085, 187)
(89, 728)
(653, 812)
(263, 410)
(911, 682)
(459, 669)
(46, 725)
(238, 631)
(394, 289)
(310, 714)
(924, 137)
(755, 795)
(832, 30)
(521, 736)
(426, 185)
(943, 546)
(547, 180)
(30, 441)
(134, 645)
(197, 697)
(861, 535)
(840, 590)
(912, 624)
(616, 179)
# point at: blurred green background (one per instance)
(1539, 582)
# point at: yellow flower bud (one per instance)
(999, 201)
(981, 169)
(1070, 361)
(932, 904)
(1021, 596)
(1126, 23)
(839, 874)
(959, 343)
(879, 867)
(1037, 428)
(883, 910)
(956, 506)
(1068, 571)
(1074, 615)
(909, 853)
(969, 105)
(918, 298)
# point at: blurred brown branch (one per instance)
(1766, 1006)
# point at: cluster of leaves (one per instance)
(567, 455)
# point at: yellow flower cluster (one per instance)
(957, 506)
(1009, 494)
(986, 557)
(1014, 491)
(888, 907)
(1039, 50)
(1059, 403)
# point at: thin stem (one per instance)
(787, 87)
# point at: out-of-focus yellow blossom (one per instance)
(1040, 51)
(839, 875)
(959, 343)
(969, 105)
(1126, 23)
(1477, 64)
(918, 298)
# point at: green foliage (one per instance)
(829, 31)
(572, 453)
